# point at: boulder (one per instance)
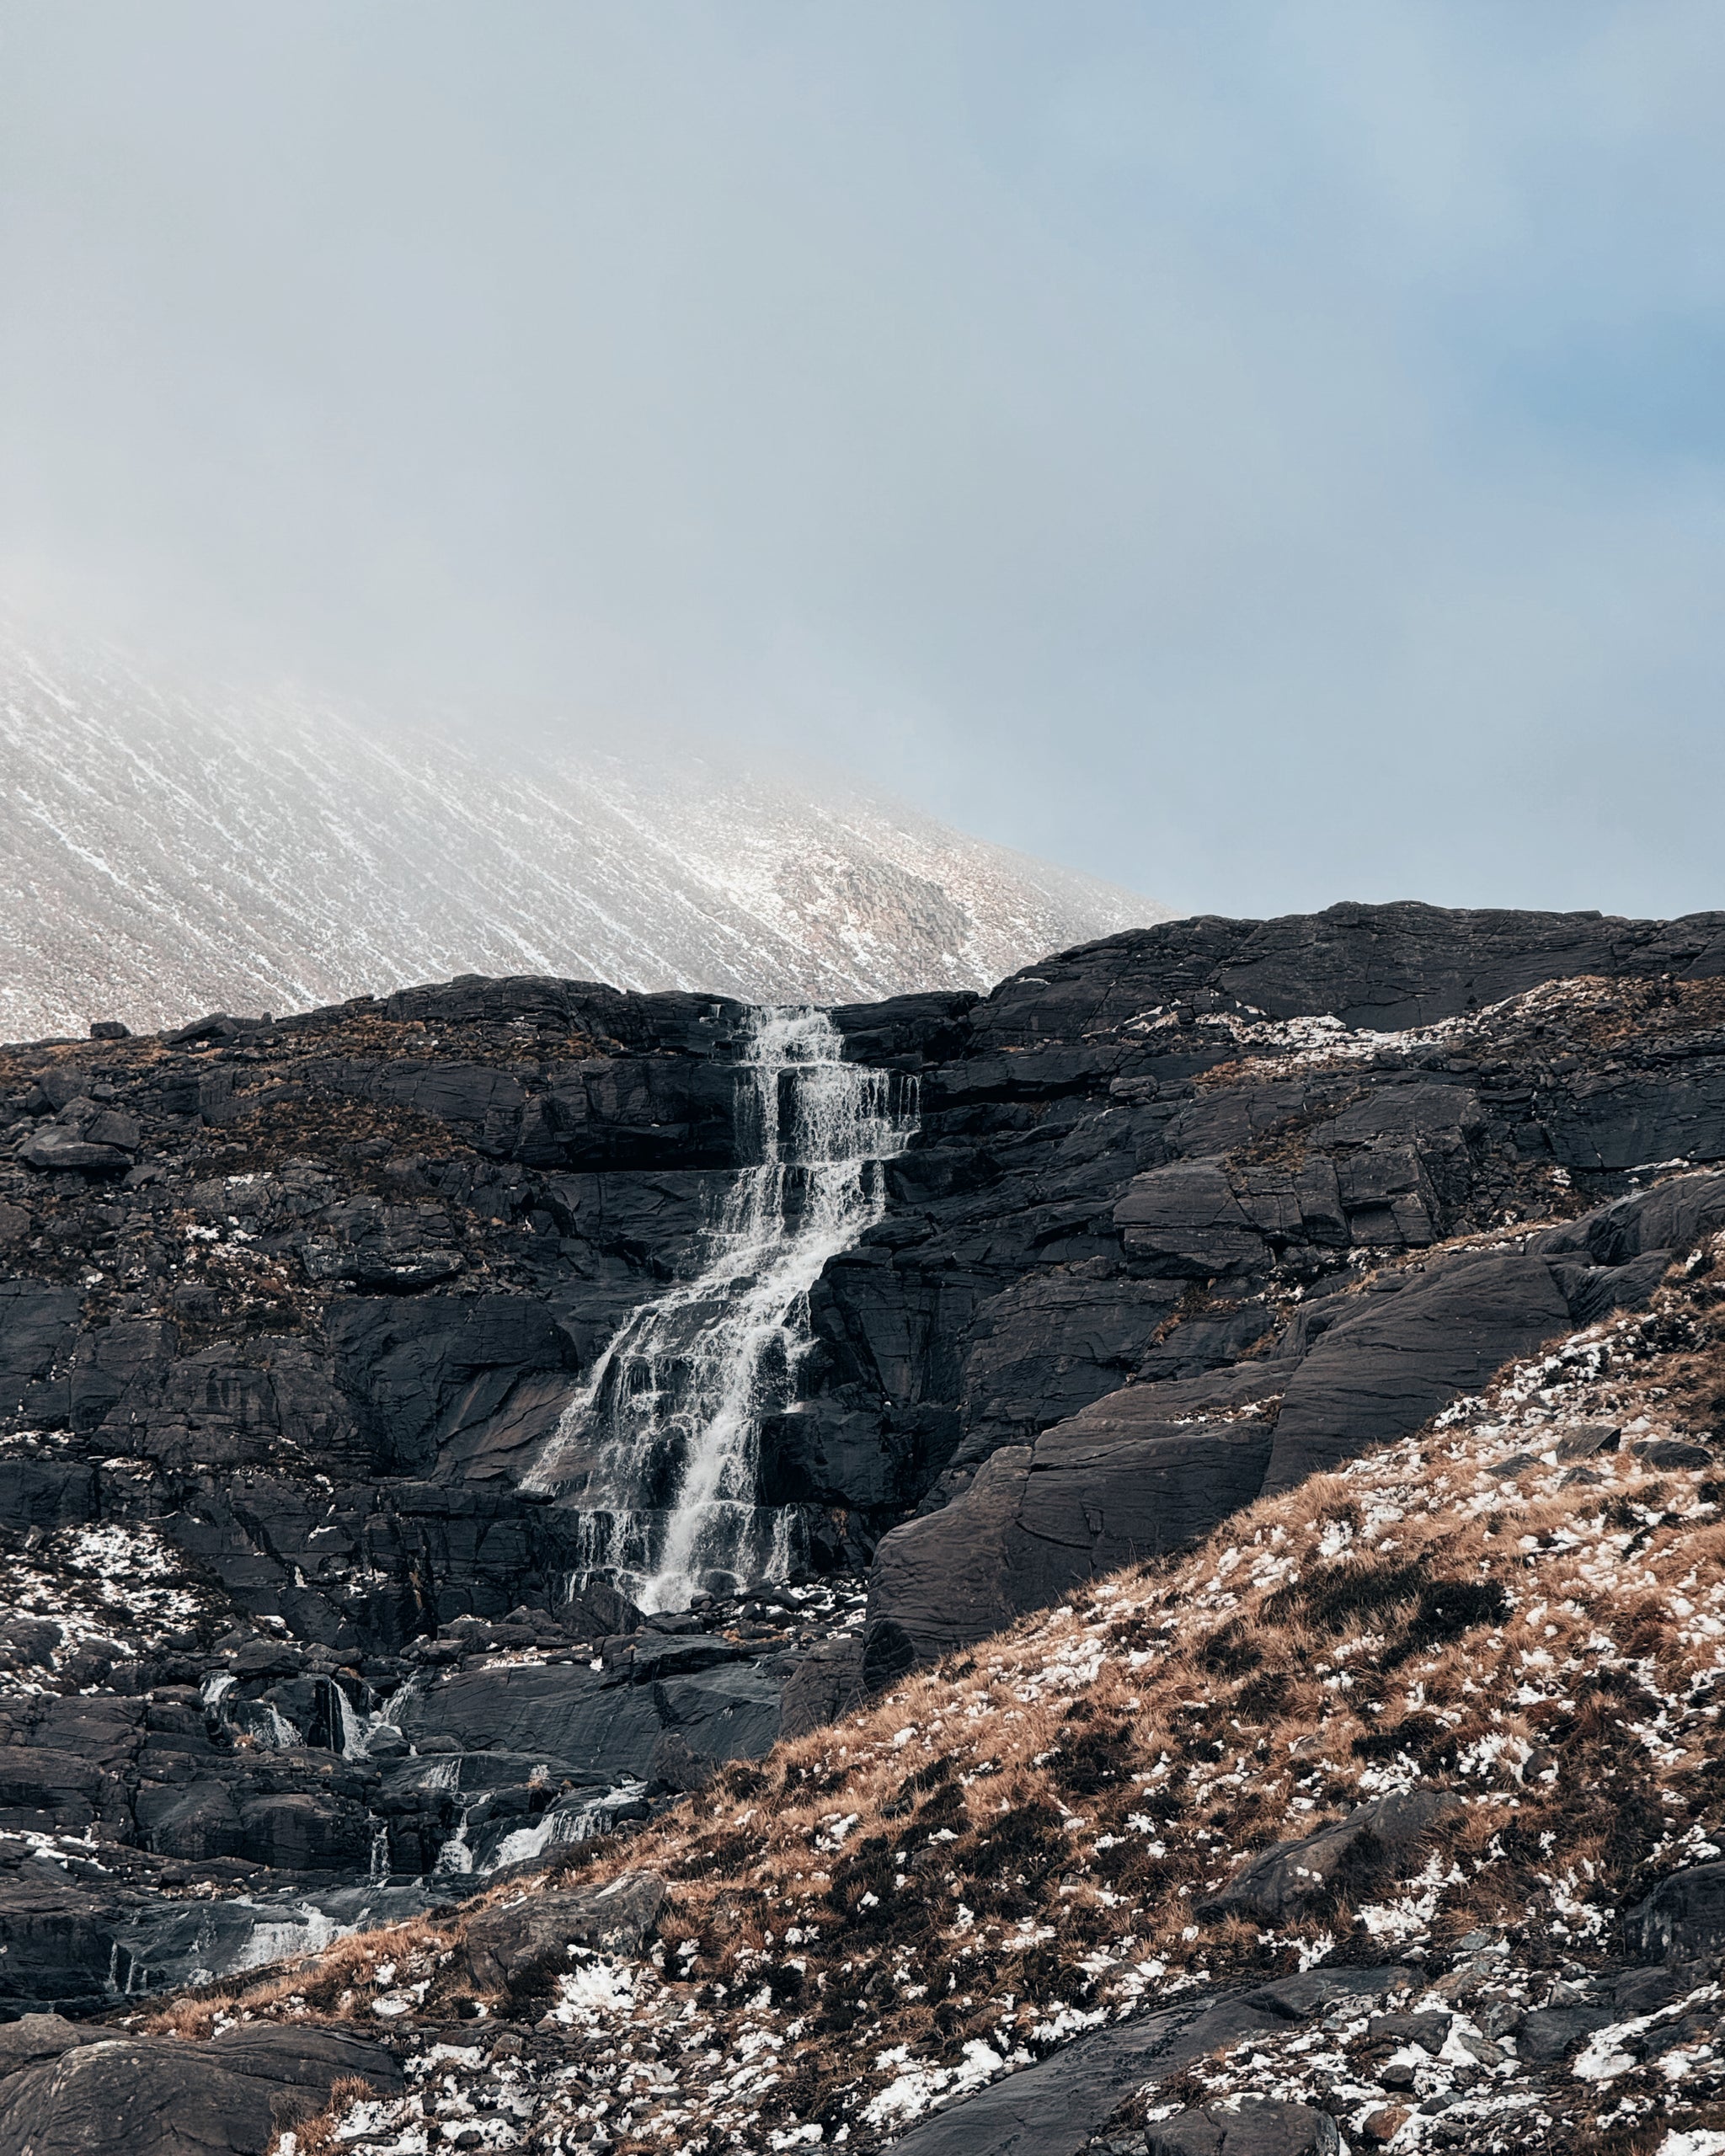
(506, 1946)
(33, 2037)
(1117, 1485)
(1429, 2029)
(597, 1610)
(1671, 1216)
(823, 1686)
(585, 1722)
(1345, 1856)
(941, 1583)
(1684, 1918)
(1255, 2129)
(1552, 2032)
(1673, 1452)
(32, 1640)
(55, 1147)
(1057, 2107)
(159, 2097)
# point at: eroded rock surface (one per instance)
(291, 1312)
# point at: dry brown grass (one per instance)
(334, 1985)
(321, 2134)
(1015, 1844)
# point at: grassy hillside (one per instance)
(1516, 1617)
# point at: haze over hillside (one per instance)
(167, 849)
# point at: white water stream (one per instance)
(674, 1405)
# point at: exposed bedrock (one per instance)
(153, 2096)
(1053, 2108)
(290, 1312)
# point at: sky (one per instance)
(1260, 454)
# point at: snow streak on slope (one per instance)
(166, 851)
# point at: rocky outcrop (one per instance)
(157, 2097)
(1055, 2108)
(1338, 1859)
(508, 1946)
(1260, 2129)
(1156, 1465)
(1189, 1214)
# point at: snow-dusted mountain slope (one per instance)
(167, 850)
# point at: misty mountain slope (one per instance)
(166, 851)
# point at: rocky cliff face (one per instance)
(292, 1313)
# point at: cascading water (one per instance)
(672, 1411)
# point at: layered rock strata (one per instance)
(290, 1312)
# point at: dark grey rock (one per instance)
(1383, 1368)
(1672, 1452)
(1047, 1347)
(57, 1940)
(504, 1945)
(38, 1326)
(944, 1582)
(1354, 1851)
(582, 1721)
(1110, 1488)
(1255, 2129)
(598, 1611)
(1584, 1440)
(158, 2097)
(33, 2037)
(823, 1686)
(1052, 2109)
(1430, 2030)
(1645, 1991)
(453, 1378)
(1552, 2032)
(1387, 967)
(1684, 1918)
(306, 1830)
(54, 1147)
(198, 1822)
(1185, 1221)
(1672, 1216)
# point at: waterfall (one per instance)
(673, 1406)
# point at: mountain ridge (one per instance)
(167, 850)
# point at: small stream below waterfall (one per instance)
(195, 1942)
(668, 1422)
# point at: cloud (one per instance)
(1260, 455)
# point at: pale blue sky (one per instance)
(1261, 453)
